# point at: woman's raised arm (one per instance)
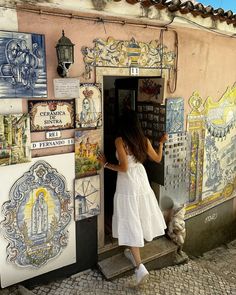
(156, 155)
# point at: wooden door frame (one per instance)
(99, 75)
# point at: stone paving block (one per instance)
(212, 274)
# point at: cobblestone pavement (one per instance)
(214, 273)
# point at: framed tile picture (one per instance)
(40, 235)
(89, 106)
(22, 65)
(87, 197)
(15, 143)
(49, 115)
(174, 115)
(151, 90)
(87, 144)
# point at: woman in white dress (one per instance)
(136, 215)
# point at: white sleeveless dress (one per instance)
(136, 215)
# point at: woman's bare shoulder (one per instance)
(148, 141)
(119, 140)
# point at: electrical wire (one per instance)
(88, 18)
(122, 22)
(161, 52)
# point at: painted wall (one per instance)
(206, 60)
(206, 63)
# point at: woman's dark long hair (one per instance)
(132, 134)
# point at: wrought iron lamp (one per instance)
(65, 55)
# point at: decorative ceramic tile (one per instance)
(176, 155)
(213, 132)
(174, 115)
(37, 224)
(152, 120)
(23, 65)
(37, 231)
(87, 144)
(196, 129)
(14, 139)
(53, 134)
(51, 114)
(52, 143)
(87, 197)
(151, 90)
(221, 115)
(197, 153)
(119, 53)
(220, 142)
(89, 106)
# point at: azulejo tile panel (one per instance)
(87, 197)
(89, 106)
(127, 53)
(37, 225)
(14, 139)
(87, 145)
(213, 139)
(174, 115)
(39, 212)
(22, 65)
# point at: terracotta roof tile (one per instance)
(189, 7)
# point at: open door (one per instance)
(121, 93)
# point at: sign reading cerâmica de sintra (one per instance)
(46, 115)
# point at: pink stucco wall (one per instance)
(206, 61)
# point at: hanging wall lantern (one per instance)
(65, 55)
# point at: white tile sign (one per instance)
(53, 134)
(51, 143)
(49, 115)
(66, 88)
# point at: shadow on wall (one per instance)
(210, 229)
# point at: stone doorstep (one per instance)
(156, 254)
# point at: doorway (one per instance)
(114, 73)
(120, 93)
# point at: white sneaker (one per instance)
(128, 254)
(141, 274)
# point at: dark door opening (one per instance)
(120, 93)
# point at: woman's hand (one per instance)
(164, 138)
(101, 158)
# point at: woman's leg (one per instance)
(140, 271)
(136, 254)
